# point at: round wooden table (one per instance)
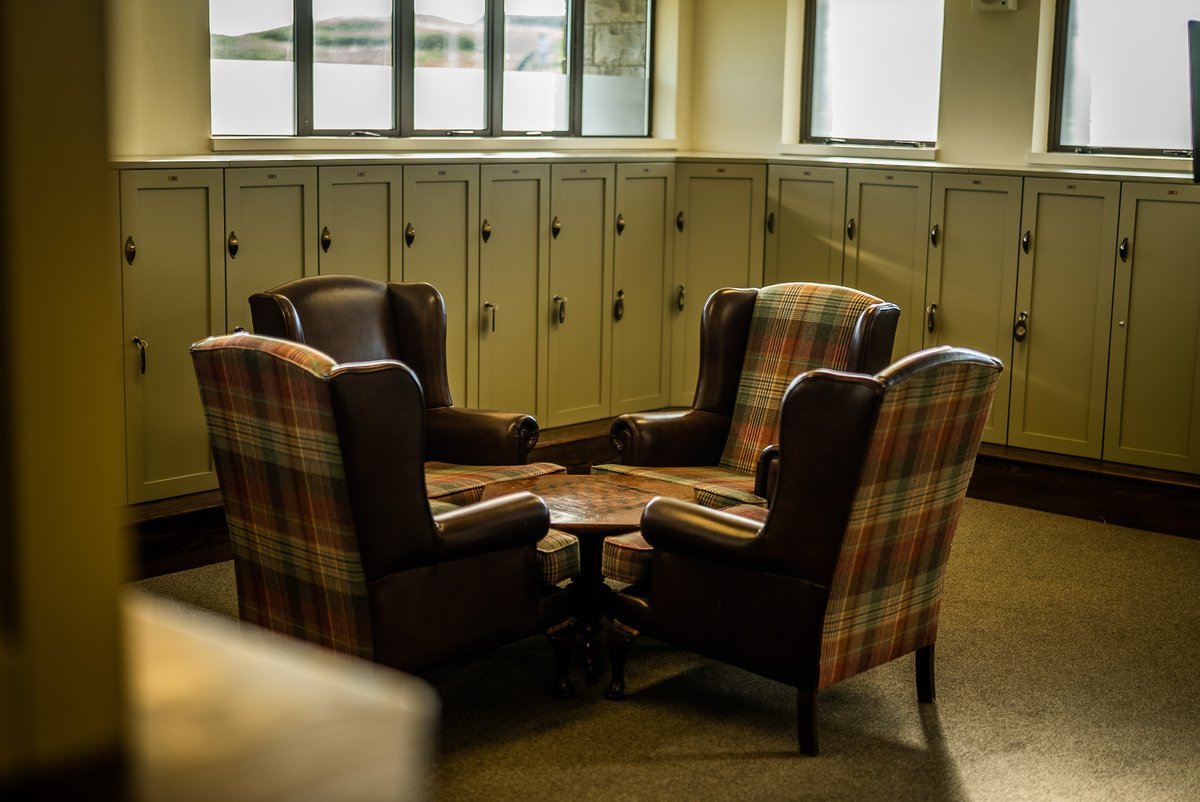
(592, 507)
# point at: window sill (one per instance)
(1111, 162)
(868, 152)
(458, 144)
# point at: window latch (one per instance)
(1087, 149)
(1183, 154)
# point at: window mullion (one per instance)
(405, 63)
(495, 67)
(304, 67)
(576, 13)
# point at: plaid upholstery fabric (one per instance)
(558, 557)
(794, 327)
(464, 484)
(272, 433)
(714, 487)
(626, 558)
(886, 590)
(437, 506)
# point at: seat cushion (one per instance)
(558, 557)
(464, 484)
(713, 486)
(626, 558)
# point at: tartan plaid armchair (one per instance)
(753, 342)
(333, 536)
(844, 571)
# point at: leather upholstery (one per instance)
(844, 570)
(334, 541)
(355, 319)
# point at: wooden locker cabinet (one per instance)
(172, 247)
(1064, 308)
(441, 247)
(642, 275)
(359, 217)
(1153, 409)
(514, 275)
(579, 348)
(806, 221)
(971, 284)
(718, 243)
(887, 224)
(270, 233)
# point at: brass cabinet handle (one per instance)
(850, 229)
(326, 239)
(555, 228)
(1026, 241)
(485, 231)
(493, 308)
(1123, 250)
(679, 221)
(620, 224)
(410, 234)
(931, 318)
(562, 309)
(771, 223)
(934, 233)
(130, 249)
(680, 297)
(619, 306)
(232, 244)
(142, 345)
(1021, 329)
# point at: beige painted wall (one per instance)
(61, 690)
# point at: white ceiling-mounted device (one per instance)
(994, 5)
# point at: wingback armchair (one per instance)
(334, 539)
(753, 342)
(356, 319)
(844, 571)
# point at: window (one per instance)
(430, 67)
(874, 71)
(1121, 77)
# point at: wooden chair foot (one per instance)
(806, 721)
(925, 680)
(560, 642)
(619, 639)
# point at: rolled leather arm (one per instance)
(766, 472)
(679, 527)
(517, 519)
(670, 438)
(479, 436)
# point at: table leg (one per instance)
(588, 596)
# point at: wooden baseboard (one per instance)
(190, 531)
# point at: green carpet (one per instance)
(1067, 669)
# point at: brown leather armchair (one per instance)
(753, 342)
(334, 539)
(355, 319)
(844, 572)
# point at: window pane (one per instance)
(449, 86)
(352, 65)
(252, 64)
(1125, 75)
(876, 70)
(535, 65)
(616, 68)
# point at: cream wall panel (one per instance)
(441, 236)
(806, 220)
(359, 220)
(1153, 415)
(271, 214)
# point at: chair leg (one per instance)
(806, 721)
(619, 639)
(561, 640)
(925, 685)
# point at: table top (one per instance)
(606, 504)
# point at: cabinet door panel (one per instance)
(514, 263)
(580, 342)
(1064, 287)
(721, 245)
(360, 217)
(442, 248)
(972, 282)
(641, 369)
(887, 223)
(273, 215)
(1153, 415)
(173, 295)
(806, 218)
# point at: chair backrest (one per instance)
(794, 328)
(892, 474)
(312, 515)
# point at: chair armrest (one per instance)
(670, 438)
(479, 436)
(517, 519)
(766, 472)
(679, 527)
